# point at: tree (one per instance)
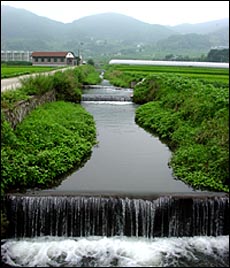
(218, 55)
(90, 62)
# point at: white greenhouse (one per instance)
(171, 63)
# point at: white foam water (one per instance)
(120, 251)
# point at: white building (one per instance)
(14, 55)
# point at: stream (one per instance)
(123, 208)
(127, 159)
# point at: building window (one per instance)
(48, 59)
(55, 59)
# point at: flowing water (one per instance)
(74, 231)
(122, 209)
(127, 159)
(123, 251)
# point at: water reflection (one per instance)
(127, 159)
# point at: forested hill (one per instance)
(108, 35)
(202, 28)
(114, 26)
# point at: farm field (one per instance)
(208, 74)
(12, 71)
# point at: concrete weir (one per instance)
(111, 214)
(100, 97)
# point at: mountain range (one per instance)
(109, 35)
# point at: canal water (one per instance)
(96, 217)
(127, 159)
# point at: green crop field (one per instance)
(210, 74)
(12, 71)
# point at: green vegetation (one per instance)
(51, 140)
(67, 85)
(121, 78)
(89, 75)
(218, 55)
(190, 114)
(12, 71)
(17, 63)
(125, 73)
(193, 117)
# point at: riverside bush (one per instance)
(37, 85)
(88, 75)
(66, 86)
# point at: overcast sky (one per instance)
(154, 12)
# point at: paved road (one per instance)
(14, 82)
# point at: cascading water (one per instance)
(106, 93)
(83, 231)
(167, 216)
(100, 97)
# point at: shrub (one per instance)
(36, 85)
(66, 87)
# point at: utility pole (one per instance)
(78, 57)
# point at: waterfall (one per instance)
(164, 216)
(107, 97)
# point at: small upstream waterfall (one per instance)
(94, 97)
(106, 92)
(82, 216)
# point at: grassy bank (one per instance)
(53, 138)
(193, 117)
(188, 108)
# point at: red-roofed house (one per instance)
(53, 58)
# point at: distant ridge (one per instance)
(202, 28)
(108, 35)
